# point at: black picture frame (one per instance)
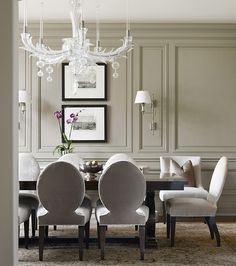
(97, 93)
(90, 118)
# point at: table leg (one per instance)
(151, 222)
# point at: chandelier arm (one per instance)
(110, 55)
(39, 49)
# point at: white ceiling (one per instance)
(139, 10)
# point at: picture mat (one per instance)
(94, 114)
(85, 93)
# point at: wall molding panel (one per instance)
(190, 69)
(214, 51)
(150, 74)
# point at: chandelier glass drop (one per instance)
(76, 50)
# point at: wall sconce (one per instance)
(143, 97)
(22, 100)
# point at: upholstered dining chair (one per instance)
(72, 158)
(199, 207)
(61, 191)
(23, 217)
(118, 157)
(122, 188)
(29, 171)
(76, 160)
(194, 190)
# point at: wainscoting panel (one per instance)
(205, 97)
(151, 61)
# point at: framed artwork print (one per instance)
(90, 125)
(91, 85)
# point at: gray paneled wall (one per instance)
(190, 71)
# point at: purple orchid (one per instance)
(66, 146)
(75, 119)
(58, 114)
(69, 121)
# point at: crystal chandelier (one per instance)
(76, 50)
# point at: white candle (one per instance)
(25, 20)
(127, 18)
(41, 25)
(98, 26)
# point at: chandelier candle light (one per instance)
(77, 49)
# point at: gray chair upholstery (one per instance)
(23, 217)
(197, 192)
(122, 188)
(199, 207)
(29, 171)
(118, 157)
(61, 190)
(76, 160)
(72, 158)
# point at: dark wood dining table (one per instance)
(152, 184)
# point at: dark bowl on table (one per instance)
(93, 169)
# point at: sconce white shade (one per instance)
(142, 97)
(22, 96)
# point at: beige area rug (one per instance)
(193, 247)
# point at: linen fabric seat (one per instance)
(197, 192)
(184, 207)
(30, 200)
(121, 188)
(189, 191)
(29, 171)
(198, 207)
(61, 190)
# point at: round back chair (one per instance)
(122, 187)
(118, 157)
(218, 180)
(72, 158)
(28, 167)
(61, 188)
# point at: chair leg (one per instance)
(46, 231)
(33, 221)
(142, 241)
(87, 228)
(168, 225)
(81, 241)
(212, 221)
(164, 211)
(98, 235)
(210, 227)
(36, 223)
(102, 237)
(26, 231)
(41, 241)
(172, 231)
